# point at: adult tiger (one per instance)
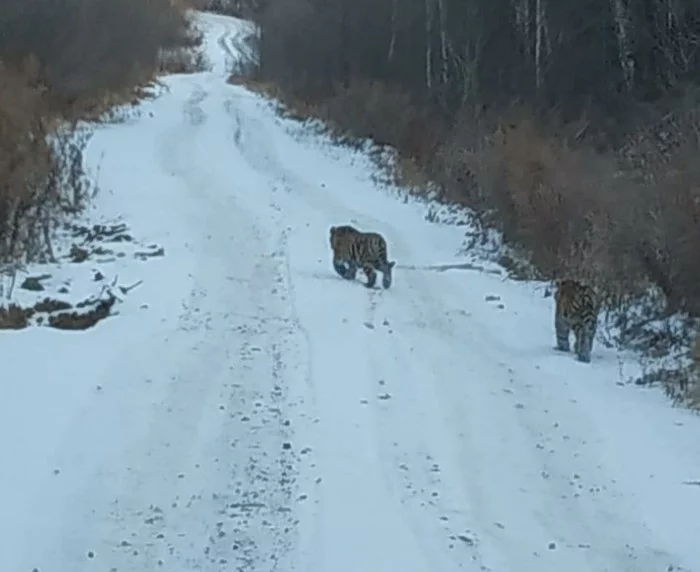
(577, 308)
(353, 249)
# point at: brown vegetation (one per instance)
(87, 314)
(58, 314)
(237, 8)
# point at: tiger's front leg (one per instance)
(562, 329)
(585, 335)
(346, 270)
(371, 275)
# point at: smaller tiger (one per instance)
(355, 249)
(577, 308)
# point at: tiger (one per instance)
(355, 249)
(576, 309)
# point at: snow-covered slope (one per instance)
(250, 410)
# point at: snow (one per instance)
(247, 409)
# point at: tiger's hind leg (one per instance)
(585, 335)
(351, 272)
(562, 329)
(386, 275)
(371, 275)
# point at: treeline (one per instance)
(572, 126)
(584, 56)
(67, 60)
(238, 8)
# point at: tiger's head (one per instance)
(338, 233)
(565, 287)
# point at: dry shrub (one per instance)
(266, 88)
(668, 226)
(293, 105)
(238, 8)
(185, 57)
(550, 199)
(410, 174)
(571, 209)
(24, 155)
(388, 115)
(14, 317)
(457, 159)
(181, 61)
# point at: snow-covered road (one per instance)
(251, 411)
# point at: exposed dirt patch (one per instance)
(48, 305)
(87, 314)
(81, 287)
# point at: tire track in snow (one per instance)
(408, 471)
(430, 315)
(416, 452)
(566, 522)
(212, 483)
(569, 520)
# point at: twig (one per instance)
(127, 289)
(13, 280)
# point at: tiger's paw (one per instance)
(344, 271)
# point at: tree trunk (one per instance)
(539, 35)
(392, 42)
(428, 45)
(624, 46)
(443, 42)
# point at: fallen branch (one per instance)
(127, 289)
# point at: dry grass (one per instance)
(410, 175)
(25, 158)
(14, 317)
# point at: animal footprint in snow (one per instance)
(495, 298)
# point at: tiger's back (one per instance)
(356, 249)
(577, 308)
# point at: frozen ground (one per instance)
(248, 410)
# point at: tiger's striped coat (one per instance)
(577, 308)
(356, 249)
